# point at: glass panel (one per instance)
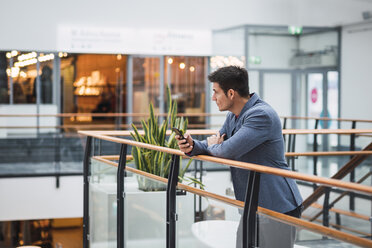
(262, 53)
(146, 80)
(4, 84)
(315, 101)
(21, 67)
(91, 83)
(145, 214)
(274, 233)
(102, 204)
(254, 82)
(216, 227)
(46, 77)
(186, 77)
(315, 97)
(332, 103)
(274, 83)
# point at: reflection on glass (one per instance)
(332, 103)
(273, 233)
(146, 84)
(315, 100)
(217, 226)
(92, 83)
(102, 204)
(22, 69)
(145, 215)
(186, 78)
(4, 83)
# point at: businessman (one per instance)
(251, 133)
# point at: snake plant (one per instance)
(155, 162)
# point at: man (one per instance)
(251, 133)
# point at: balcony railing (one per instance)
(167, 218)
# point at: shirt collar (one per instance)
(254, 98)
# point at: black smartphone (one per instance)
(178, 132)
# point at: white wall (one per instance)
(33, 25)
(356, 75)
(278, 92)
(38, 198)
(228, 43)
(330, 12)
(356, 72)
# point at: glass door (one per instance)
(277, 91)
(323, 101)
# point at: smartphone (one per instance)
(178, 132)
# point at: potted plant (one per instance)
(155, 162)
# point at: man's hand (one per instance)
(187, 144)
(216, 139)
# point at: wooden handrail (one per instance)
(214, 131)
(272, 214)
(323, 118)
(242, 165)
(340, 174)
(340, 227)
(362, 179)
(85, 126)
(343, 212)
(310, 154)
(333, 153)
(66, 115)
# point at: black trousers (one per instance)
(272, 233)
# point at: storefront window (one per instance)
(4, 90)
(91, 83)
(186, 76)
(21, 73)
(146, 85)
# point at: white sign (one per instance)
(134, 41)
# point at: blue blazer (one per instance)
(255, 136)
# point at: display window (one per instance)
(93, 83)
(19, 84)
(97, 83)
(4, 84)
(186, 77)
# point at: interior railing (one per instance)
(164, 221)
(119, 121)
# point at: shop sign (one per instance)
(134, 41)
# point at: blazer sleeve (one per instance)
(201, 147)
(255, 130)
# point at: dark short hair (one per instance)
(231, 77)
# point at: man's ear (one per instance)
(230, 93)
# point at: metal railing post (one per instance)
(293, 150)
(284, 126)
(120, 196)
(352, 173)
(289, 147)
(315, 149)
(250, 232)
(88, 150)
(171, 202)
(326, 207)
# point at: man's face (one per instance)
(223, 102)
